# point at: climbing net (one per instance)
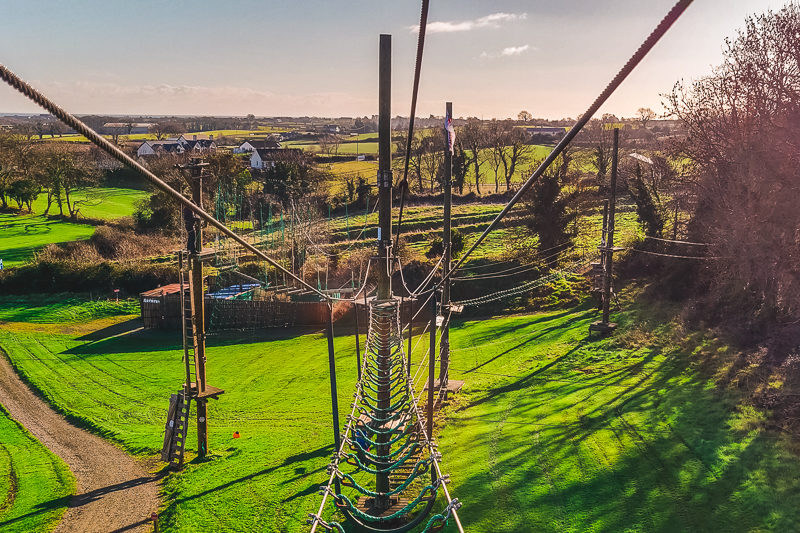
(385, 440)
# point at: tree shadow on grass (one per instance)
(659, 454)
(79, 500)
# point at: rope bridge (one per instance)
(385, 443)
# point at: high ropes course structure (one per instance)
(387, 457)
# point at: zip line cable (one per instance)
(423, 25)
(70, 120)
(648, 44)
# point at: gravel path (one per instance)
(115, 492)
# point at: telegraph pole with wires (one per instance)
(603, 326)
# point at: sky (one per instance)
(492, 59)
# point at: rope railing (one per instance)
(392, 430)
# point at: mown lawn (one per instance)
(35, 485)
(554, 431)
(22, 235)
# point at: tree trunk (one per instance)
(477, 172)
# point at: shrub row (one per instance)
(73, 276)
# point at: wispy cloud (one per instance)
(507, 52)
(514, 50)
(495, 20)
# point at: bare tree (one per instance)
(62, 171)
(496, 142)
(645, 115)
(515, 151)
(474, 139)
(743, 138)
(524, 116)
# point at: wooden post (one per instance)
(334, 399)
(604, 326)
(384, 293)
(384, 167)
(410, 334)
(198, 313)
(444, 356)
(612, 205)
(431, 367)
(358, 344)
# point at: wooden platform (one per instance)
(453, 386)
(366, 505)
(602, 328)
(210, 392)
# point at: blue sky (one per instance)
(492, 59)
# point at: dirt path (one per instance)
(115, 493)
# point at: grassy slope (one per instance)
(35, 485)
(554, 432)
(22, 235)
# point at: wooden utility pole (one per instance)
(604, 326)
(431, 368)
(444, 354)
(198, 312)
(384, 167)
(198, 389)
(334, 398)
(382, 501)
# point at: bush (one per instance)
(456, 245)
(74, 276)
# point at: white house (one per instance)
(262, 158)
(178, 145)
(255, 144)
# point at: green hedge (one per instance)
(71, 276)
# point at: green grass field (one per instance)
(22, 235)
(554, 431)
(35, 485)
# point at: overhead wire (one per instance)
(660, 30)
(423, 24)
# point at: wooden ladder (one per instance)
(176, 430)
(187, 321)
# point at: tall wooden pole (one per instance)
(334, 399)
(384, 167)
(358, 344)
(609, 262)
(444, 356)
(410, 333)
(431, 367)
(384, 254)
(198, 314)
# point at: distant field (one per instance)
(106, 203)
(35, 485)
(266, 130)
(344, 148)
(22, 235)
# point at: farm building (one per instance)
(126, 128)
(544, 130)
(256, 144)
